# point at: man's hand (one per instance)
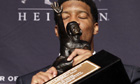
(79, 55)
(42, 77)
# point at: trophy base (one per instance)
(102, 68)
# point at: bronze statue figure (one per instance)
(69, 40)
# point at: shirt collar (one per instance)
(94, 53)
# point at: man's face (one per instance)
(80, 12)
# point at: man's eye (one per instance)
(64, 18)
(83, 16)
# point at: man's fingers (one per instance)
(73, 54)
(77, 52)
(37, 80)
(81, 58)
(44, 75)
(52, 71)
(55, 74)
(41, 77)
(79, 55)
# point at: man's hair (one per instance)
(90, 3)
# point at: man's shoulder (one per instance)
(133, 73)
(26, 79)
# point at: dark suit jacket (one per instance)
(132, 71)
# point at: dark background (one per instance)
(29, 45)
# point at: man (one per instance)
(85, 13)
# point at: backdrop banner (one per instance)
(28, 41)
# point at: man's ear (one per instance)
(56, 31)
(96, 28)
